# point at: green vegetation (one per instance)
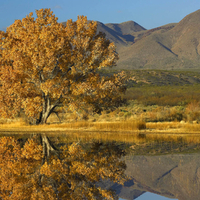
(164, 95)
(157, 96)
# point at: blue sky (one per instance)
(147, 13)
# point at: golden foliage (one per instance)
(44, 64)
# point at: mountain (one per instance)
(175, 47)
(172, 46)
(121, 34)
(151, 51)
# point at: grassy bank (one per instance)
(129, 126)
(80, 125)
(150, 106)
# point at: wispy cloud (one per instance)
(57, 7)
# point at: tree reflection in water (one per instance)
(71, 174)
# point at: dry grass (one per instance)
(19, 122)
(192, 127)
(121, 125)
(164, 125)
(109, 126)
(174, 127)
(81, 125)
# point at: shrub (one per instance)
(127, 115)
(121, 114)
(192, 111)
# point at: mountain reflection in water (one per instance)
(94, 169)
(175, 176)
(158, 167)
(151, 196)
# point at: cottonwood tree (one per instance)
(45, 64)
(72, 175)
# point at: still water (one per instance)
(151, 196)
(157, 168)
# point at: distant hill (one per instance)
(172, 46)
(121, 34)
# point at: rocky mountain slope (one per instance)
(122, 34)
(172, 46)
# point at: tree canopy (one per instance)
(45, 64)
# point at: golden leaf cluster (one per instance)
(44, 64)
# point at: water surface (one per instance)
(151, 196)
(158, 167)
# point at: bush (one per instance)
(127, 115)
(192, 111)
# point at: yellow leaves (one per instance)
(80, 168)
(46, 87)
(89, 50)
(106, 194)
(74, 150)
(36, 37)
(45, 169)
(5, 144)
(30, 14)
(32, 150)
(16, 166)
(46, 58)
(32, 106)
(72, 176)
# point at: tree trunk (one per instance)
(46, 111)
(45, 116)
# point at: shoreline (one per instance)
(174, 128)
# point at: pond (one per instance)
(94, 164)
